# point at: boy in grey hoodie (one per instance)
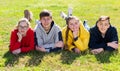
(48, 34)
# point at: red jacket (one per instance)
(26, 44)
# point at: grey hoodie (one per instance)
(48, 40)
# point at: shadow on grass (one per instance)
(11, 59)
(68, 57)
(35, 58)
(104, 57)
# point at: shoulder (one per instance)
(30, 31)
(14, 31)
(64, 29)
(93, 29)
(112, 29)
(36, 26)
(56, 27)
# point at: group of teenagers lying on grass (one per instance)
(48, 37)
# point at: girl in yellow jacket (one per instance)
(75, 36)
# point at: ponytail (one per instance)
(66, 37)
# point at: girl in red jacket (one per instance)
(22, 38)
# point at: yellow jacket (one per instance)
(82, 41)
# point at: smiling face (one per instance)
(46, 22)
(23, 27)
(103, 26)
(73, 24)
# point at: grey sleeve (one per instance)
(38, 36)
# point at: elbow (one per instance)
(11, 49)
(85, 48)
(32, 48)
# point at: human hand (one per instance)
(42, 49)
(17, 51)
(77, 50)
(113, 44)
(75, 32)
(59, 44)
(19, 36)
(97, 51)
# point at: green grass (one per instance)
(12, 11)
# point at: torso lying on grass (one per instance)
(80, 42)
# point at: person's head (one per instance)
(103, 24)
(45, 18)
(23, 26)
(73, 23)
(28, 14)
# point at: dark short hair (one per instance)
(102, 18)
(45, 13)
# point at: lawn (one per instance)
(12, 10)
